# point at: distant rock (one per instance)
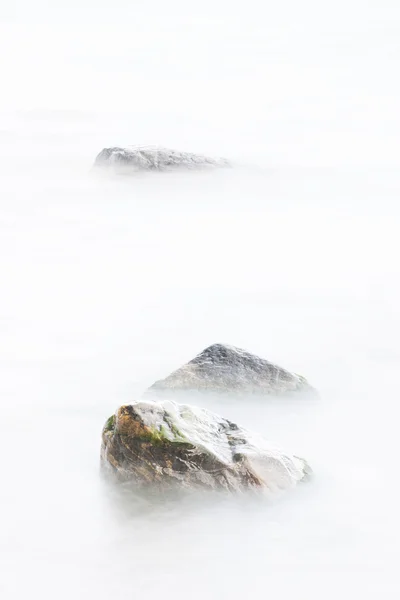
(154, 158)
(221, 368)
(164, 445)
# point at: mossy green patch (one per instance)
(162, 435)
(152, 435)
(109, 426)
(164, 432)
(178, 435)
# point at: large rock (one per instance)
(221, 368)
(154, 158)
(165, 445)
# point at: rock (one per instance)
(221, 368)
(165, 445)
(154, 158)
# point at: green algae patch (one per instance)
(164, 432)
(110, 423)
(151, 435)
(162, 435)
(178, 436)
(167, 434)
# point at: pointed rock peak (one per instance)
(217, 352)
(225, 368)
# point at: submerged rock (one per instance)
(164, 445)
(154, 158)
(221, 368)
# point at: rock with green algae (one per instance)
(227, 369)
(167, 445)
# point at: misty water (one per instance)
(109, 283)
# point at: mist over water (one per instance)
(108, 284)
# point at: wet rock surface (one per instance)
(167, 445)
(154, 158)
(222, 368)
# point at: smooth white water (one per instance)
(108, 284)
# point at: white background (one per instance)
(107, 285)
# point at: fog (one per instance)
(109, 283)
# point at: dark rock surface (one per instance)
(165, 445)
(221, 368)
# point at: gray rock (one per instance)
(154, 158)
(221, 368)
(164, 445)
